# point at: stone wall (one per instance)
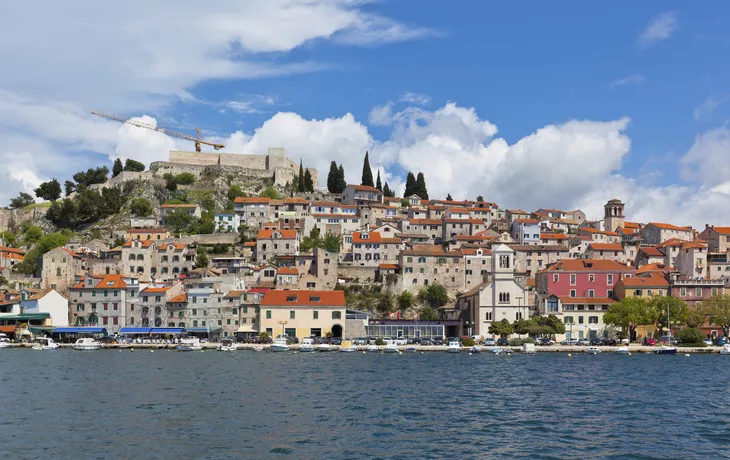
(14, 217)
(359, 273)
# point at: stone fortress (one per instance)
(274, 164)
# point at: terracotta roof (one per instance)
(416, 236)
(304, 298)
(669, 227)
(586, 300)
(147, 230)
(572, 265)
(473, 251)
(180, 298)
(722, 230)
(588, 229)
(249, 244)
(287, 271)
(111, 281)
(430, 250)
(464, 221)
(144, 243)
(252, 200)
(331, 204)
(526, 221)
(474, 237)
(283, 234)
(389, 266)
(693, 245)
(651, 251)
(554, 236)
(392, 240)
(458, 210)
(296, 201)
(631, 225)
(155, 289)
(40, 294)
(425, 221)
(517, 211)
(364, 188)
(651, 268)
(14, 250)
(233, 294)
(606, 247)
(373, 237)
(183, 205)
(671, 242)
(475, 289)
(73, 254)
(178, 246)
(652, 279)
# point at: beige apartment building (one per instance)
(303, 313)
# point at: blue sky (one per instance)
(646, 84)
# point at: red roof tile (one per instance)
(606, 247)
(283, 234)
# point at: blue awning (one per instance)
(167, 330)
(80, 330)
(135, 330)
(203, 329)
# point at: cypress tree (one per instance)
(332, 178)
(411, 186)
(341, 182)
(421, 186)
(387, 191)
(378, 184)
(301, 177)
(117, 168)
(308, 184)
(367, 173)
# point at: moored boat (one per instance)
(391, 346)
(45, 343)
(307, 345)
(454, 347)
(227, 345)
(189, 344)
(475, 349)
(665, 350)
(4, 341)
(87, 344)
(324, 347)
(623, 350)
(372, 348)
(725, 350)
(593, 350)
(495, 350)
(280, 344)
(347, 346)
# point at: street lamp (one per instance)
(283, 326)
(469, 324)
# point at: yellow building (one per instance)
(647, 286)
(303, 313)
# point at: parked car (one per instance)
(720, 341)
(425, 341)
(609, 342)
(478, 339)
(584, 342)
(360, 341)
(671, 340)
(649, 342)
(336, 341)
(708, 342)
(489, 342)
(503, 341)
(401, 341)
(569, 342)
(438, 340)
(596, 341)
(544, 342)
(372, 340)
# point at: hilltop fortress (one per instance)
(274, 164)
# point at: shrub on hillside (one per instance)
(691, 336)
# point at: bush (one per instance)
(185, 178)
(379, 341)
(468, 342)
(691, 336)
(519, 342)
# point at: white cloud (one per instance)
(381, 115)
(660, 28)
(708, 106)
(414, 98)
(630, 80)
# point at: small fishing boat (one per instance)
(725, 349)
(87, 344)
(45, 343)
(495, 350)
(280, 344)
(189, 344)
(623, 350)
(593, 350)
(4, 341)
(347, 346)
(227, 345)
(324, 347)
(411, 350)
(667, 349)
(454, 347)
(475, 349)
(307, 345)
(258, 348)
(391, 346)
(373, 349)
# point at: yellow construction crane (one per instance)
(139, 124)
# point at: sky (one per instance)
(531, 105)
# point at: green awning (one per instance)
(25, 317)
(41, 328)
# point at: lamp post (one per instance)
(283, 327)
(469, 324)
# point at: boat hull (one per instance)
(279, 348)
(348, 349)
(306, 349)
(188, 348)
(623, 351)
(87, 348)
(665, 351)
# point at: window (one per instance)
(568, 320)
(292, 314)
(580, 320)
(58, 272)
(503, 261)
(572, 279)
(714, 292)
(336, 315)
(591, 293)
(591, 277)
(609, 279)
(268, 314)
(488, 316)
(698, 292)
(504, 297)
(593, 320)
(609, 293)
(637, 292)
(556, 278)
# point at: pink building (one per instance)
(581, 278)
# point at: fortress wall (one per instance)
(211, 159)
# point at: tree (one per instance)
(378, 184)
(133, 165)
(385, 303)
(448, 197)
(404, 203)
(170, 182)
(501, 328)
(9, 239)
(300, 179)
(421, 186)
(308, 184)
(367, 173)
(70, 187)
(294, 186)
(331, 242)
(186, 178)
(480, 199)
(428, 314)
(32, 234)
(179, 222)
(51, 241)
(92, 176)
(141, 207)
(387, 192)
(717, 310)
(270, 192)
(410, 185)
(691, 336)
(628, 314)
(50, 191)
(404, 300)
(695, 318)
(341, 181)
(434, 295)
(22, 200)
(117, 168)
(678, 312)
(332, 178)
(311, 241)
(234, 191)
(201, 258)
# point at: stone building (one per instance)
(103, 300)
(530, 259)
(428, 264)
(657, 233)
(253, 211)
(138, 258)
(613, 215)
(61, 267)
(273, 243)
(172, 260)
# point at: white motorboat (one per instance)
(87, 344)
(347, 346)
(475, 349)
(528, 348)
(454, 347)
(189, 344)
(391, 346)
(227, 345)
(495, 350)
(280, 344)
(725, 350)
(259, 348)
(4, 341)
(307, 345)
(372, 349)
(593, 350)
(324, 347)
(45, 343)
(623, 350)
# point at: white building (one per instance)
(227, 222)
(46, 301)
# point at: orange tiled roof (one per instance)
(631, 225)
(722, 230)
(252, 200)
(651, 251)
(180, 298)
(13, 250)
(671, 242)
(365, 188)
(669, 227)
(295, 201)
(283, 234)
(178, 246)
(606, 247)
(693, 245)
(287, 271)
(652, 279)
(391, 240)
(554, 236)
(144, 243)
(304, 298)
(389, 266)
(249, 244)
(648, 268)
(373, 237)
(155, 290)
(517, 211)
(526, 221)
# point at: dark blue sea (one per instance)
(114, 404)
